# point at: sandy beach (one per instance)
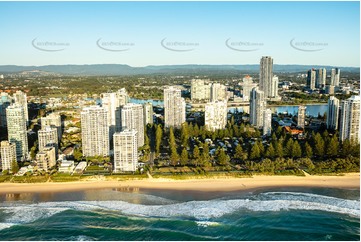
(351, 181)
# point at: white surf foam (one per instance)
(202, 211)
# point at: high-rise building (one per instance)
(247, 86)
(335, 77)
(215, 115)
(8, 154)
(274, 87)
(148, 113)
(174, 107)
(46, 158)
(48, 136)
(200, 90)
(125, 151)
(266, 75)
(320, 78)
(132, 118)
(53, 120)
(301, 116)
(16, 121)
(311, 79)
(95, 131)
(112, 102)
(267, 122)
(350, 119)
(20, 98)
(257, 107)
(218, 92)
(333, 108)
(330, 89)
(5, 101)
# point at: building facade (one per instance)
(125, 151)
(8, 154)
(215, 115)
(267, 122)
(335, 77)
(266, 75)
(257, 107)
(218, 92)
(53, 120)
(95, 131)
(148, 113)
(321, 78)
(46, 158)
(133, 118)
(311, 79)
(174, 107)
(48, 136)
(301, 116)
(333, 108)
(247, 87)
(200, 90)
(21, 99)
(17, 133)
(5, 101)
(350, 119)
(274, 87)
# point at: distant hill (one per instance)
(120, 69)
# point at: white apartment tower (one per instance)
(46, 158)
(215, 115)
(301, 116)
(218, 92)
(8, 154)
(112, 102)
(148, 113)
(267, 122)
(5, 101)
(133, 118)
(53, 120)
(311, 79)
(257, 107)
(333, 108)
(174, 107)
(48, 136)
(20, 98)
(350, 119)
(320, 78)
(266, 75)
(16, 124)
(247, 85)
(274, 87)
(200, 90)
(125, 151)
(335, 77)
(95, 131)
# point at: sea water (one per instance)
(112, 214)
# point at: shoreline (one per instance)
(347, 181)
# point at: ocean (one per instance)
(146, 214)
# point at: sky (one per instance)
(174, 33)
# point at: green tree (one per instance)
(308, 151)
(270, 152)
(238, 154)
(222, 158)
(296, 150)
(158, 139)
(185, 134)
(279, 149)
(332, 146)
(14, 166)
(319, 145)
(346, 148)
(184, 157)
(289, 147)
(255, 152)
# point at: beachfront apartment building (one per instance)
(8, 154)
(215, 115)
(95, 131)
(21, 99)
(257, 107)
(133, 118)
(174, 107)
(53, 120)
(46, 158)
(125, 151)
(17, 133)
(48, 136)
(333, 109)
(350, 119)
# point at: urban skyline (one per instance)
(171, 39)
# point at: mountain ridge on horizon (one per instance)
(124, 69)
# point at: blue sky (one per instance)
(266, 28)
